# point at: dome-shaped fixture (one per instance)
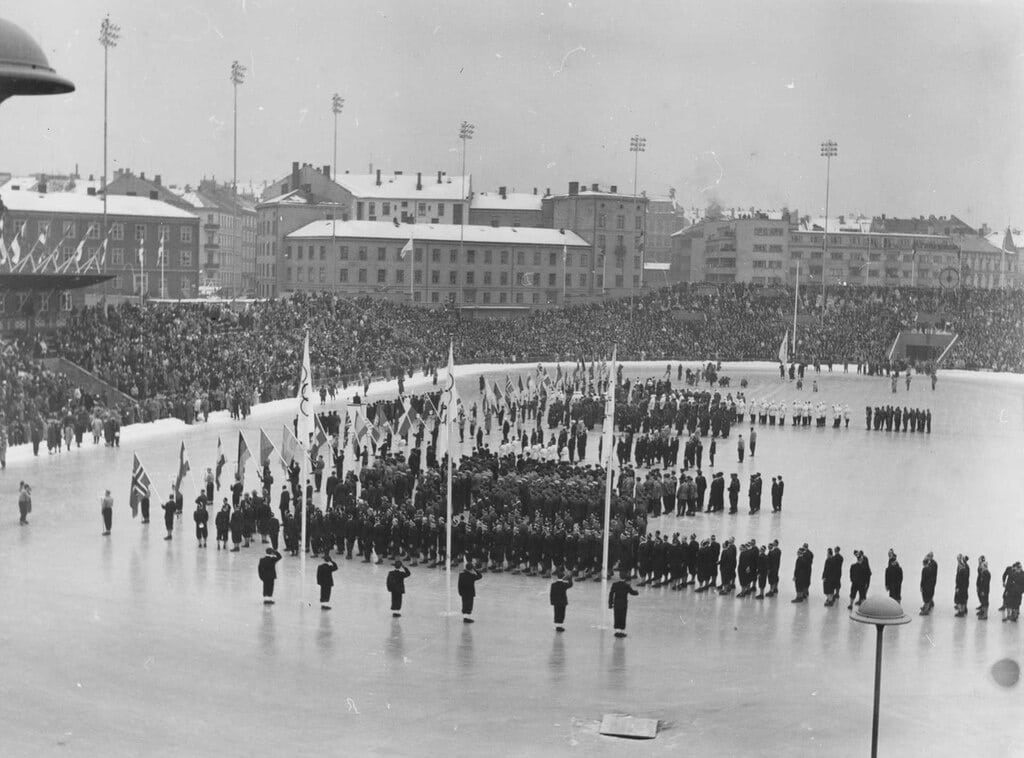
(880, 610)
(24, 69)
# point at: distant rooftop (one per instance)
(73, 202)
(403, 186)
(511, 201)
(447, 233)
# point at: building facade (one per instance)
(133, 223)
(405, 198)
(227, 264)
(504, 208)
(762, 250)
(613, 225)
(467, 266)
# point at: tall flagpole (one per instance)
(796, 299)
(305, 411)
(608, 432)
(449, 411)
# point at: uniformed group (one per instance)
(894, 419)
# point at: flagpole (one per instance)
(609, 435)
(796, 299)
(565, 264)
(448, 445)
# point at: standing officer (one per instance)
(324, 578)
(267, 571)
(467, 589)
(559, 599)
(929, 575)
(618, 601)
(106, 508)
(396, 586)
(894, 578)
(982, 585)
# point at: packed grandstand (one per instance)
(171, 359)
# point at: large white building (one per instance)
(406, 198)
(469, 266)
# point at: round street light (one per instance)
(24, 69)
(882, 612)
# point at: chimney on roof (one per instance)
(503, 191)
(547, 192)
(157, 180)
(438, 177)
(327, 171)
(42, 186)
(574, 188)
(295, 175)
(91, 179)
(593, 187)
(615, 189)
(142, 174)
(419, 180)
(535, 190)
(154, 195)
(91, 191)
(378, 177)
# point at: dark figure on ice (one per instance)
(396, 586)
(559, 597)
(929, 576)
(267, 571)
(618, 601)
(467, 590)
(325, 579)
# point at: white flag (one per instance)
(407, 249)
(784, 349)
(305, 397)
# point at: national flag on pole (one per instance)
(448, 396)
(140, 485)
(221, 460)
(160, 250)
(320, 438)
(78, 250)
(3, 245)
(289, 447)
(520, 380)
(305, 396)
(142, 252)
(266, 448)
(498, 397)
(103, 251)
(784, 349)
(183, 468)
(243, 456)
(407, 248)
(16, 245)
(510, 389)
(1008, 245)
(609, 412)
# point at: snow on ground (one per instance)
(130, 645)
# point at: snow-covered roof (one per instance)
(27, 183)
(91, 205)
(295, 197)
(997, 238)
(475, 235)
(403, 186)
(835, 226)
(513, 201)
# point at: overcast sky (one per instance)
(926, 100)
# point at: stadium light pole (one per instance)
(110, 33)
(337, 106)
(237, 77)
(637, 145)
(829, 150)
(882, 612)
(465, 133)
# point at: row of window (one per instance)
(468, 278)
(769, 231)
(69, 230)
(767, 248)
(883, 243)
(118, 258)
(472, 257)
(767, 264)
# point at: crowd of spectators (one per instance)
(187, 359)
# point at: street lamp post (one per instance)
(829, 150)
(465, 133)
(337, 105)
(110, 33)
(882, 612)
(237, 77)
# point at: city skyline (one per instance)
(922, 98)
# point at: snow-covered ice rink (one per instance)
(132, 646)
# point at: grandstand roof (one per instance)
(475, 235)
(89, 205)
(403, 186)
(513, 201)
(30, 282)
